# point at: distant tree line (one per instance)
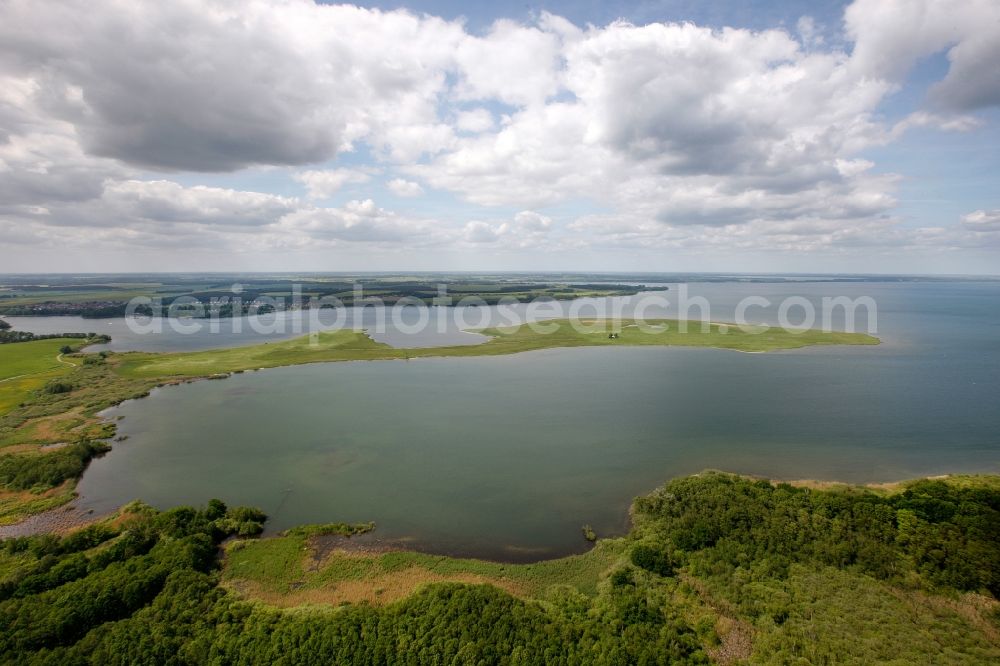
(10, 336)
(103, 310)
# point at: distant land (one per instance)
(105, 295)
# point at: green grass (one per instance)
(30, 418)
(23, 358)
(353, 345)
(332, 346)
(279, 566)
(17, 506)
(23, 297)
(26, 366)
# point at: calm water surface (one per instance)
(447, 325)
(507, 457)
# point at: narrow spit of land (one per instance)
(350, 345)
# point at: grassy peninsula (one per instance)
(348, 345)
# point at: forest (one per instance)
(717, 568)
(223, 296)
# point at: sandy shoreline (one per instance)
(55, 521)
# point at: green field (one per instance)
(290, 571)
(26, 358)
(26, 366)
(44, 435)
(356, 346)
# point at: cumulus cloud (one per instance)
(662, 113)
(165, 201)
(513, 63)
(164, 214)
(475, 121)
(41, 159)
(982, 220)
(664, 135)
(361, 221)
(404, 188)
(527, 229)
(890, 36)
(216, 87)
(322, 184)
(46, 168)
(948, 123)
(481, 232)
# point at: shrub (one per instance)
(621, 577)
(55, 387)
(652, 559)
(24, 471)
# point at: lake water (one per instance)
(446, 325)
(507, 457)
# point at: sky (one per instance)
(286, 135)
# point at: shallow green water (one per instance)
(508, 457)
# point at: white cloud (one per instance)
(530, 221)
(358, 221)
(481, 232)
(165, 201)
(538, 157)
(663, 135)
(513, 63)
(809, 32)
(890, 36)
(404, 188)
(165, 214)
(475, 121)
(527, 229)
(216, 87)
(947, 123)
(982, 220)
(323, 184)
(684, 125)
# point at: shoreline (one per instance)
(68, 518)
(60, 520)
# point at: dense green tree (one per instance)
(145, 589)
